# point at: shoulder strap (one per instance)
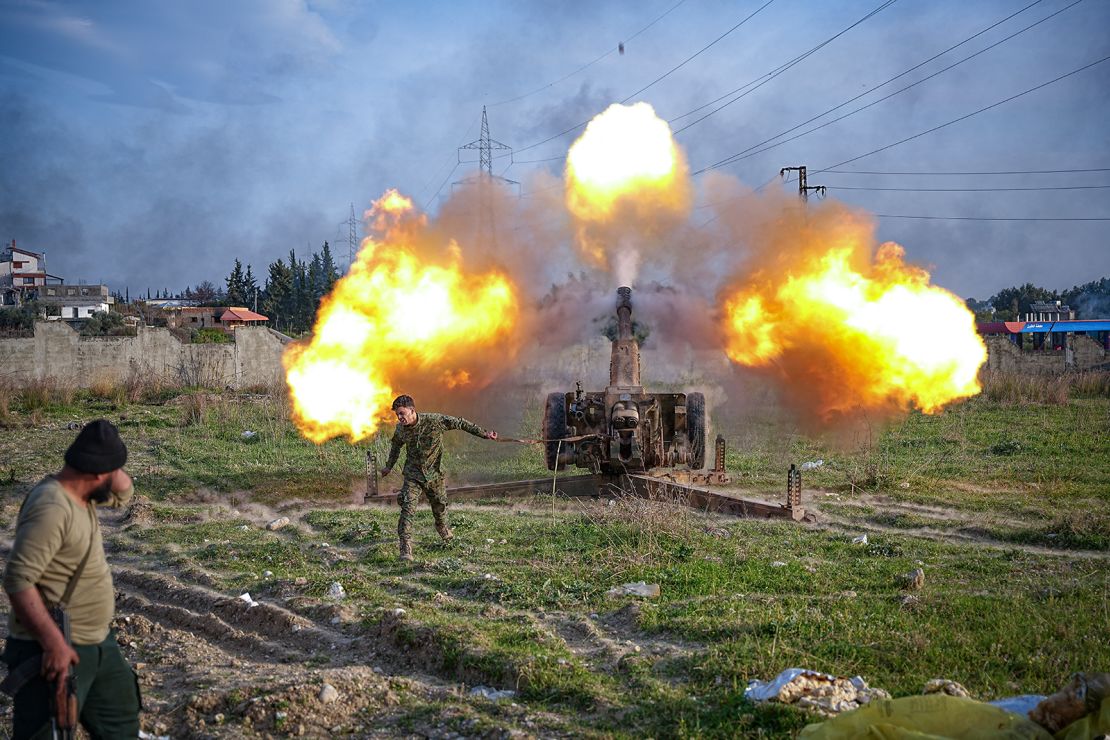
(64, 601)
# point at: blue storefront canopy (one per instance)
(1037, 327)
(1095, 325)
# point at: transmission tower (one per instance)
(485, 179)
(803, 188)
(352, 237)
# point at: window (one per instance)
(194, 319)
(50, 291)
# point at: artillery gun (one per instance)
(623, 429)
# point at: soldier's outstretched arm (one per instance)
(457, 422)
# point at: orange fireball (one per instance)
(847, 332)
(395, 310)
(626, 182)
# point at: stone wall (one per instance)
(1085, 354)
(58, 352)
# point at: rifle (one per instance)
(63, 702)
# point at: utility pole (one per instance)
(803, 188)
(485, 179)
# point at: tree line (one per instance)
(1090, 301)
(289, 296)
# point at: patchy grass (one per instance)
(519, 600)
(498, 607)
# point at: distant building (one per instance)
(1049, 311)
(218, 317)
(22, 274)
(75, 301)
(23, 278)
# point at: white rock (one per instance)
(637, 588)
(267, 574)
(328, 694)
(778, 564)
(492, 694)
(276, 524)
(398, 612)
(861, 540)
(336, 591)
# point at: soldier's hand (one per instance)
(491, 435)
(55, 662)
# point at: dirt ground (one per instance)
(212, 665)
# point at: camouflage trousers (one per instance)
(436, 493)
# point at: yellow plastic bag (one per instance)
(1093, 725)
(930, 717)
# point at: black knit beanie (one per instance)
(97, 449)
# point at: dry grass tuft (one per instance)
(39, 395)
(1019, 389)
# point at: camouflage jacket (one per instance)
(423, 443)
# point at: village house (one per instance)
(213, 317)
(23, 278)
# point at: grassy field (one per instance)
(1003, 501)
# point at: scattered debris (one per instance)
(861, 540)
(335, 590)
(278, 523)
(638, 588)
(909, 601)
(817, 692)
(249, 435)
(1023, 704)
(267, 574)
(914, 580)
(945, 686)
(492, 694)
(328, 693)
(247, 598)
(1079, 696)
(398, 612)
(718, 532)
(778, 564)
(812, 465)
(904, 484)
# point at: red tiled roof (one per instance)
(239, 313)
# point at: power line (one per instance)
(776, 72)
(698, 53)
(586, 66)
(754, 149)
(971, 190)
(984, 218)
(988, 172)
(969, 115)
(583, 123)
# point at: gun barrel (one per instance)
(624, 313)
(624, 367)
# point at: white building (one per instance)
(23, 277)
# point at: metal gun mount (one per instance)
(623, 429)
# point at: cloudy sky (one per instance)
(149, 144)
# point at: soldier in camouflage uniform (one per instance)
(422, 437)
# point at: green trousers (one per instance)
(107, 692)
(436, 493)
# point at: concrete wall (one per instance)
(60, 353)
(1084, 354)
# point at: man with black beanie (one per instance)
(58, 549)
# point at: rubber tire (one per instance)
(695, 430)
(554, 427)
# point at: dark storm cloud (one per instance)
(167, 139)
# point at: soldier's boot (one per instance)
(406, 549)
(445, 531)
